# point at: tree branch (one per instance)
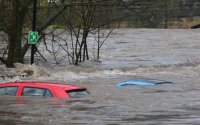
(3, 60)
(52, 18)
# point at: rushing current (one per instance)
(164, 54)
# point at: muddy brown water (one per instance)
(166, 104)
(171, 55)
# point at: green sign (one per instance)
(32, 37)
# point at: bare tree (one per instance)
(83, 20)
(87, 19)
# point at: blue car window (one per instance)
(8, 90)
(30, 91)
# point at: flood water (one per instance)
(170, 55)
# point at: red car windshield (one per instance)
(10, 90)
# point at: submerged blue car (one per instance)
(142, 82)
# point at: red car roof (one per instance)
(53, 84)
(50, 84)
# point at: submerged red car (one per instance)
(45, 89)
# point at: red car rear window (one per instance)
(77, 93)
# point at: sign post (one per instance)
(33, 35)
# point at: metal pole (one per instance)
(33, 29)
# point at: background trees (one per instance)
(79, 21)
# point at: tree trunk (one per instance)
(19, 57)
(13, 34)
(18, 50)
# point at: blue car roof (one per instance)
(141, 82)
